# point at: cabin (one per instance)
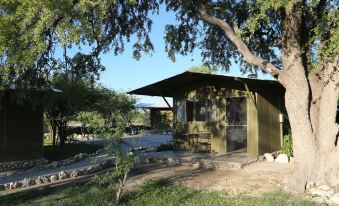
(21, 125)
(223, 114)
(160, 115)
(21, 131)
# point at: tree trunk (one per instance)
(120, 187)
(327, 132)
(297, 102)
(312, 114)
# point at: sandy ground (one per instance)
(255, 179)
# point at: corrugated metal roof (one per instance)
(159, 105)
(168, 87)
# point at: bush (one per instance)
(164, 147)
(287, 145)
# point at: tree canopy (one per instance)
(31, 31)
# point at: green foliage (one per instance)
(287, 145)
(164, 147)
(203, 69)
(141, 117)
(258, 24)
(31, 31)
(152, 193)
(112, 131)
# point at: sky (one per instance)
(123, 73)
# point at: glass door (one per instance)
(236, 123)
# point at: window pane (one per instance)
(189, 110)
(180, 110)
(203, 110)
(236, 111)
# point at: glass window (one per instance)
(236, 111)
(180, 113)
(203, 110)
(189, 110)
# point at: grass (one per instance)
(60, 152)
(149, 194)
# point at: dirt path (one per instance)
(254, 179)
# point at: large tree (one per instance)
(32, 30)
(294, 41)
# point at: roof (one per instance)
(160, 105)
(168, 87)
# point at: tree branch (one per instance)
(241, 46)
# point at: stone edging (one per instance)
(195, 162)
(7, 166)
(62, 175)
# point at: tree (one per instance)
(31, 30)
(62, 107)
(294, 41)
(203, 69)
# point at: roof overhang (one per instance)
(169, 87)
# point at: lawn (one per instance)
(149, 194)
(60, 152)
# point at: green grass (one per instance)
(54, 153)
(150, 194)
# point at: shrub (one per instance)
(164, 147)
(287, 145)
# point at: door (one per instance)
(236, 123)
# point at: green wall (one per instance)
(21, 133)
(263, 109)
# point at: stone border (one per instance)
(195, 162)
(55, 164)
(62, 175)
(14, 165)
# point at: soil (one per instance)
(255, 179)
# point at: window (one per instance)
(202, 110)
(189, 110)
(196, 110)
(180, 114)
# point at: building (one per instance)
(160, 114)
(21, 131)
(225, 113)
(21, 127)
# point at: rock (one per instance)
(282, 158)
(53, 178)
(62, 175)
(324, 187)
(55, 164)
(89, 170)
(269, 157)
(335, 198)
(319, 192)
(75, 173)
(7, 186)
(41, 180)
(2, 187)
(27, 182)
(14, 185)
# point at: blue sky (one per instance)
(124, 73)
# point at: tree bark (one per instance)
(328, 150)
